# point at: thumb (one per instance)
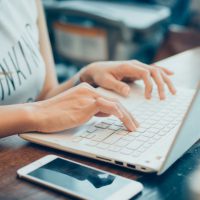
(118, 86)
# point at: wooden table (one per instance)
(15, 153)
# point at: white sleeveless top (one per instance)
(22, 70)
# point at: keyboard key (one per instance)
(124, 128)
(91, 143)
(84, 134)
(171, 125)
(91, 129)
(91, 135)
(141, 119)
(126, 151)
(134, 134)
(129, 137)
(121, 142)
(148, 134)
(156, 118)
(102, 146)
(145, 125)
(161, 133)
(102, 134)
(76, 139)
(151, 141)
(118, 123)
(112, 139)
(108, 121)
(160, 115)
(114, 148)
(136, 154)
(142, 138)
(146, 145)
(141, 130)
(102, 125)
(163, 122)
(157, 137)
(135, 145)
(168, 118)
(176, 121)
(142, 149)
(114, 127)
(153, 130)
(150, 122)
(158, 126)
(122, 132)
(166, 130)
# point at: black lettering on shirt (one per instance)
(8, 77)
(16, 66)
(2, 90)
(24, 56)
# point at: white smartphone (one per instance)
(79, 180)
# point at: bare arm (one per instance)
(21, 117)
(51, 87)
(59, 112)
(77, 105)
(15, 119)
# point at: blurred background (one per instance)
(85, 31)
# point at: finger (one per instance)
(125, 110)
(167, 71)
(128, 119)
(168, 83)
(112, 83)
(148, 83)
(112, 108)
(136, 123)
(108, 107)
(156, 75)
(139, 71)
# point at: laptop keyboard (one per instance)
(157, 118)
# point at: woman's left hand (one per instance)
(114, 75)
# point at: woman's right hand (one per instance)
(76, 106)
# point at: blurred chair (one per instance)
(86, 31)
(178, 39)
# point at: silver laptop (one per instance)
(167, 130)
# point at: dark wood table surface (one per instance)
(16, 153)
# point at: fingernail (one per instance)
(162, 96)
(148, 96)
(174, 91)
(132, 126)
(126, 91)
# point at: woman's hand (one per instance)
(113, 75)
(75, 107)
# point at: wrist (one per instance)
(16, 119)
(86, 75)
(29, 119)
(76, 80)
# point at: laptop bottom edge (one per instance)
(86, 154)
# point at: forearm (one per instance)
(73, 81)
(15, 119)
(83, 75)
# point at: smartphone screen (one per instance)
(87, 182)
